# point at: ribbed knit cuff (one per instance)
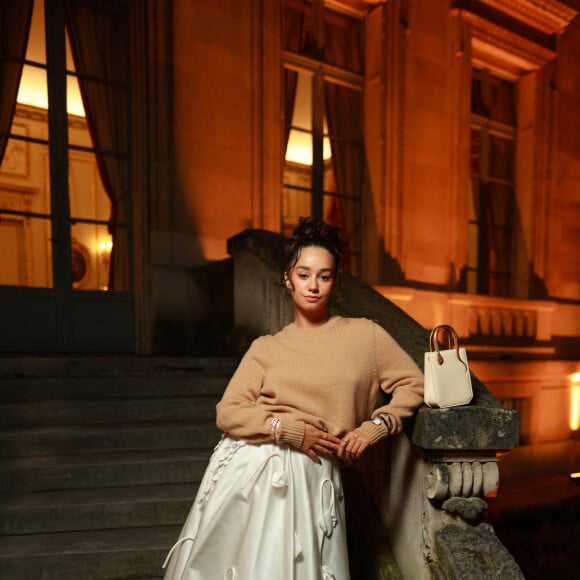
(373, 432)
(291, 432)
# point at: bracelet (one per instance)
(388, 420)
(275, 428)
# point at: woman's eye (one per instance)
(303, 276)
(325, 278)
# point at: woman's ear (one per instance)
(287, 281)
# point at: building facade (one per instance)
(443, 136)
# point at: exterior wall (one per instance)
(219, 71)
(228, 157)
(430, 213)
(215, 93)
(563, 237)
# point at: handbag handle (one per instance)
(452, 342)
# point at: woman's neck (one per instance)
(301, 320)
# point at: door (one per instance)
(65, 204)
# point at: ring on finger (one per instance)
(325, 435)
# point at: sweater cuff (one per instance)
(372, 432)
(291, 432)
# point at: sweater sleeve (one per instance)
(236, 413)
(400, 378)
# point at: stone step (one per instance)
(95, 509)
(91, 555)
(98, 388)
(84, 412)
(102, 470)
(110, 366)
(106, 438)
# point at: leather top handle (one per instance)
(452, 342)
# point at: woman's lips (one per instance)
(311, 298)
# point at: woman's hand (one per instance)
(317, 443)
(352, 446)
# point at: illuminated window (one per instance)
(64, 146)
(323, 170)
(493, 130)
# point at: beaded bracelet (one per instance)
(275, 428)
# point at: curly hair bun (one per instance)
(314, 232)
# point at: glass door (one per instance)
(65, 207)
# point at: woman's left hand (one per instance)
(353, 445)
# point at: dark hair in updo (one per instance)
(313, 232)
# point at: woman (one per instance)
(301, 402)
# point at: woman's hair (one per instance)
(313, 232)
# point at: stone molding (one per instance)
(548, 16)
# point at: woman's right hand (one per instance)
(317, 443)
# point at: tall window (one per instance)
(64, 146)
(493, 130)
(323, 66)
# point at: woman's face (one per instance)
(311, 281)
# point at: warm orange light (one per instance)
(105, 247)
(575, 401)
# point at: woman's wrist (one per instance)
(276, 426)
(289, 431)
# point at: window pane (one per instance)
(299, 149)
(91, 246)
(499, 246)
(298, 32)
(501, 158)
(500, 205)
(302, 109)
(502, 100)
(475, 158)
(477, 101)
(32, 90)
(25, 243)
(74, 101)
(296, 202)
(88, 199)
(343, 41)
(36, 49)
(25, 230)
(493, 97)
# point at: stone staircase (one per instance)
(100, 459)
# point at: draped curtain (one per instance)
(98, 34)
(15, 20)
(297, 40)
(343, 107)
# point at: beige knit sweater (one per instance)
(329, 376)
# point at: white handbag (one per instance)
(447, 377)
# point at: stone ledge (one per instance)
(466, 428)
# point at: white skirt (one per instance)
(263, 512)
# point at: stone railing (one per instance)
(428, 485)
(483, 322)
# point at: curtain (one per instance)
(344, 118)
(297, 40)
(343, 107)
(98, 34)
(15, 20)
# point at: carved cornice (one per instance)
(506, 50)
(548, 16)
